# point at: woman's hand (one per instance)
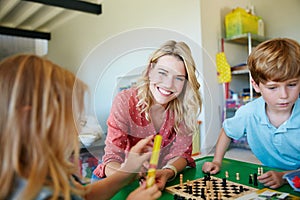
(161, 178)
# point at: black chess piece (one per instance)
(255, 182)
(224, 182)
(250, 179)
(241, 189)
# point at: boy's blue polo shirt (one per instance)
(274, 147)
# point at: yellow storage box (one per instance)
(239, 21)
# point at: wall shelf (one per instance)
(243, 39)
(242, 71)
(241, 76)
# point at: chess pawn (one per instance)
(255, 182)
(226, 174)
(261, 170)
(208, 196)
(251, 179)
(203, 192)
(224, 182)
(207, 185)
(181, 180)
(241, 188)
(237, 176)
(219, 196)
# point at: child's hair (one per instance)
(275, 60)
(38, 133)
(187, 105)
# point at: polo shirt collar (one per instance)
(261, 111)
(292, 122)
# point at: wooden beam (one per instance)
(24, 33)
(73, 5)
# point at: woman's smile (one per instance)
(167, 78)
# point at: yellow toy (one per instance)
(153, 161)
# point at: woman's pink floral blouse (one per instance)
(126, 126)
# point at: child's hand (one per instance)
(272, 179)
(211, 167)
(144, 193)
(138, 154)
(161, 179)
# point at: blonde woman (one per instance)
(166, 101)
(39, 111)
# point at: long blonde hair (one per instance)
(38, 134)
(187, 105)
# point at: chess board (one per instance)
(209, 188)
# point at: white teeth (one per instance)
(164, 91)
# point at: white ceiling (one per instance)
(34, 16)
(30, 16)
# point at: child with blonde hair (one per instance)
(40, 108)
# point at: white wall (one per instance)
(71, 42)
(201, 21)
(94, 42)
(280, 17)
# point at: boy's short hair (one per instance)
(276, 60)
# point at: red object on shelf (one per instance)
(227, 96)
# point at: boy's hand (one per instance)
(211, 167)
(272, 179)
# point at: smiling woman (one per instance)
(167, 78)
(165, 101)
